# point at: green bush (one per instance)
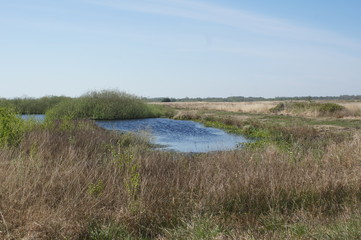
(109, 231)
(330, 108)
(104, 105)
(278, 108)
(166, 100)
(11, 128)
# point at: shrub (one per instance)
(278, 108)
(166, 100)
(104, 105)
(330, 108)
(11, 128)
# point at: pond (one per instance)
(178, 135)
(173, 135)
(36, 117)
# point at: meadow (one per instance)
(66, 178)
(292, 107)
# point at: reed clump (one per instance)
(245, 107)
(74, 180)
(106, 105)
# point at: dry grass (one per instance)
(318, 109)
(60, 182)
(352, 109)
(249, 107)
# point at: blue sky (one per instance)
(180, 48)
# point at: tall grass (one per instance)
(32, 105)
(73, 180)
(245, 107)
(105, 105)
(314, 109)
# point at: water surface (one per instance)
(173, 135)
(36, 117)
(178, 135)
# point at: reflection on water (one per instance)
(182, 136)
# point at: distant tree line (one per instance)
(252, 99)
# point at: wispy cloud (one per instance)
(240, 19)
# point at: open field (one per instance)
(250, 107)
(69, 179)
(352, 108)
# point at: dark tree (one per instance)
(166, 100)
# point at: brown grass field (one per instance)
(73, 180)
(249, 107)
(353, 108)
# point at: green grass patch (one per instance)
(199, 228)
(324, 109)
(284, 228)
(290, 134)
(346, 229)
(110, 231)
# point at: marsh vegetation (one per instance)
(32, 105)
(337, 109)
(95, 105)
(69, 179)
(105, 105)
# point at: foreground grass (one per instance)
(73, 180)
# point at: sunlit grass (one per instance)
(69, 179)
